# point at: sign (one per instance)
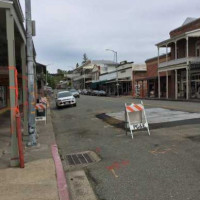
(41, 112)
(135, 118)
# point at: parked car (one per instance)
(102, 93)
(75, 93)
(65, 98)
(95, 93)
(89, 92)
(84, 91)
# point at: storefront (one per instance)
(195, 81)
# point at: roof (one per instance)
(156, 57)
(109, 62)
(188, 20)
(17, 6)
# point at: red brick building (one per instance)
(146, 83)
(175, 75)
(182, 68)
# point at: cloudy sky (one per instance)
(66, 29)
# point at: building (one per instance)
(87, 75)
(182, 67)
(146, 83)
(101, 68)
(41, 75)
(13, 72)
(139, 83)
(122, 75)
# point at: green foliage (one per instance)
(60, 71)
(85, 58)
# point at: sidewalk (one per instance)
(37, 181)
(4, 136)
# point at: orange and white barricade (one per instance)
(135, 118)
(41, 112)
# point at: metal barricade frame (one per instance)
(139, 111)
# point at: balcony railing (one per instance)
(82, 77)
(179, 61)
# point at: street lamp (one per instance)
(115, 58)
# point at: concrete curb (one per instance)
(61, 180)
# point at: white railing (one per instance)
(179, 61)
(173, 62)
(82, 77)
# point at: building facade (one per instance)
(182, 67)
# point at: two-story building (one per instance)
(82, 76)
(182, 67)
(87, 75)
(121, 78)
(101, 68)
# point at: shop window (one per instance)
(3, 99)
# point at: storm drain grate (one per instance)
(79, 159)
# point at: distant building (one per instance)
(88, 74)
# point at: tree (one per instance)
(85, 58)
(77, 65)
(60, 71)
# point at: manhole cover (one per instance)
(81, 159)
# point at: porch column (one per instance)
(14, 162)
(176, 85)
(158, 56)
(158, 85)
(24, 87)
(175, 50)
(187, 51)
(142, 89)
(187, 84)
(158, 73)
(167, 95)
(166, 53)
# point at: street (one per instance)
(163, 166)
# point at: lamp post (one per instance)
(115, 59)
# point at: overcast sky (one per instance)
(66, 29)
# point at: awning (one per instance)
(98, 83)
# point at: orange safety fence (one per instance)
(18, 117)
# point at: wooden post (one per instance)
(176, 85)
(187, 84)
(175, 50)
(158, 85)
(14, 162)
(167, 85)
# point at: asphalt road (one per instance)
(163, 166)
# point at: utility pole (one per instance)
(117, 80)
(31, 77)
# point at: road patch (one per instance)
(157, 118)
